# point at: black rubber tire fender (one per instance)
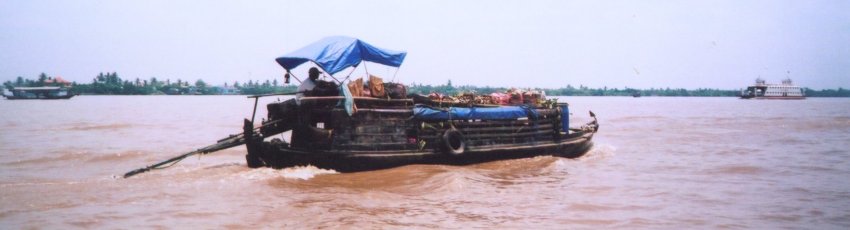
(453, 142)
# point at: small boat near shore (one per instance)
(785, 91)
(355, 126)
(44, 92)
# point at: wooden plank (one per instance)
(355, 99)
(547, 126)
(465, 124)
(508, 135)
(377, 146)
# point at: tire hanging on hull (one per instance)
(453, 142)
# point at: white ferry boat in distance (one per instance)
(786, 90)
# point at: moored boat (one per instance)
(44, 92)
(636, 94)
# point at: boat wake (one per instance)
(297, 172)
(597, 153)
(91, 127)
(79, 156)
(304, 172)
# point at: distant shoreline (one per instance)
(111, 84)
(187, 95)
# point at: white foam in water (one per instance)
(259, 174)
(598, 152)
(297, 172)
(305, 172)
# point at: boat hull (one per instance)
(39, 98)
(279, 155)
(389, 133)
(774, 98)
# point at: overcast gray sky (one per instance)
(642, 44)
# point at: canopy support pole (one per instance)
(396, 72)
(349, 73)
(293, 75)
(256, 99)
(323, 70)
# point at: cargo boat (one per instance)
(334, 126)
(348, 133)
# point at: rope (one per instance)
(169, 165)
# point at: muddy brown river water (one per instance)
(658, 163)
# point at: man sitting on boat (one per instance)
(308, 84)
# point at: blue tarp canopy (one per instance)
(333, 54)
(459, 113)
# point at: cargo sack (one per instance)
(516, 98)
(356, 87)
(376, 86)
(529, 98)
(367, 92)
(500, 98)
(395, 90)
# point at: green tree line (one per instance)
(569, 90)
(581, 90)
(112, 84)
